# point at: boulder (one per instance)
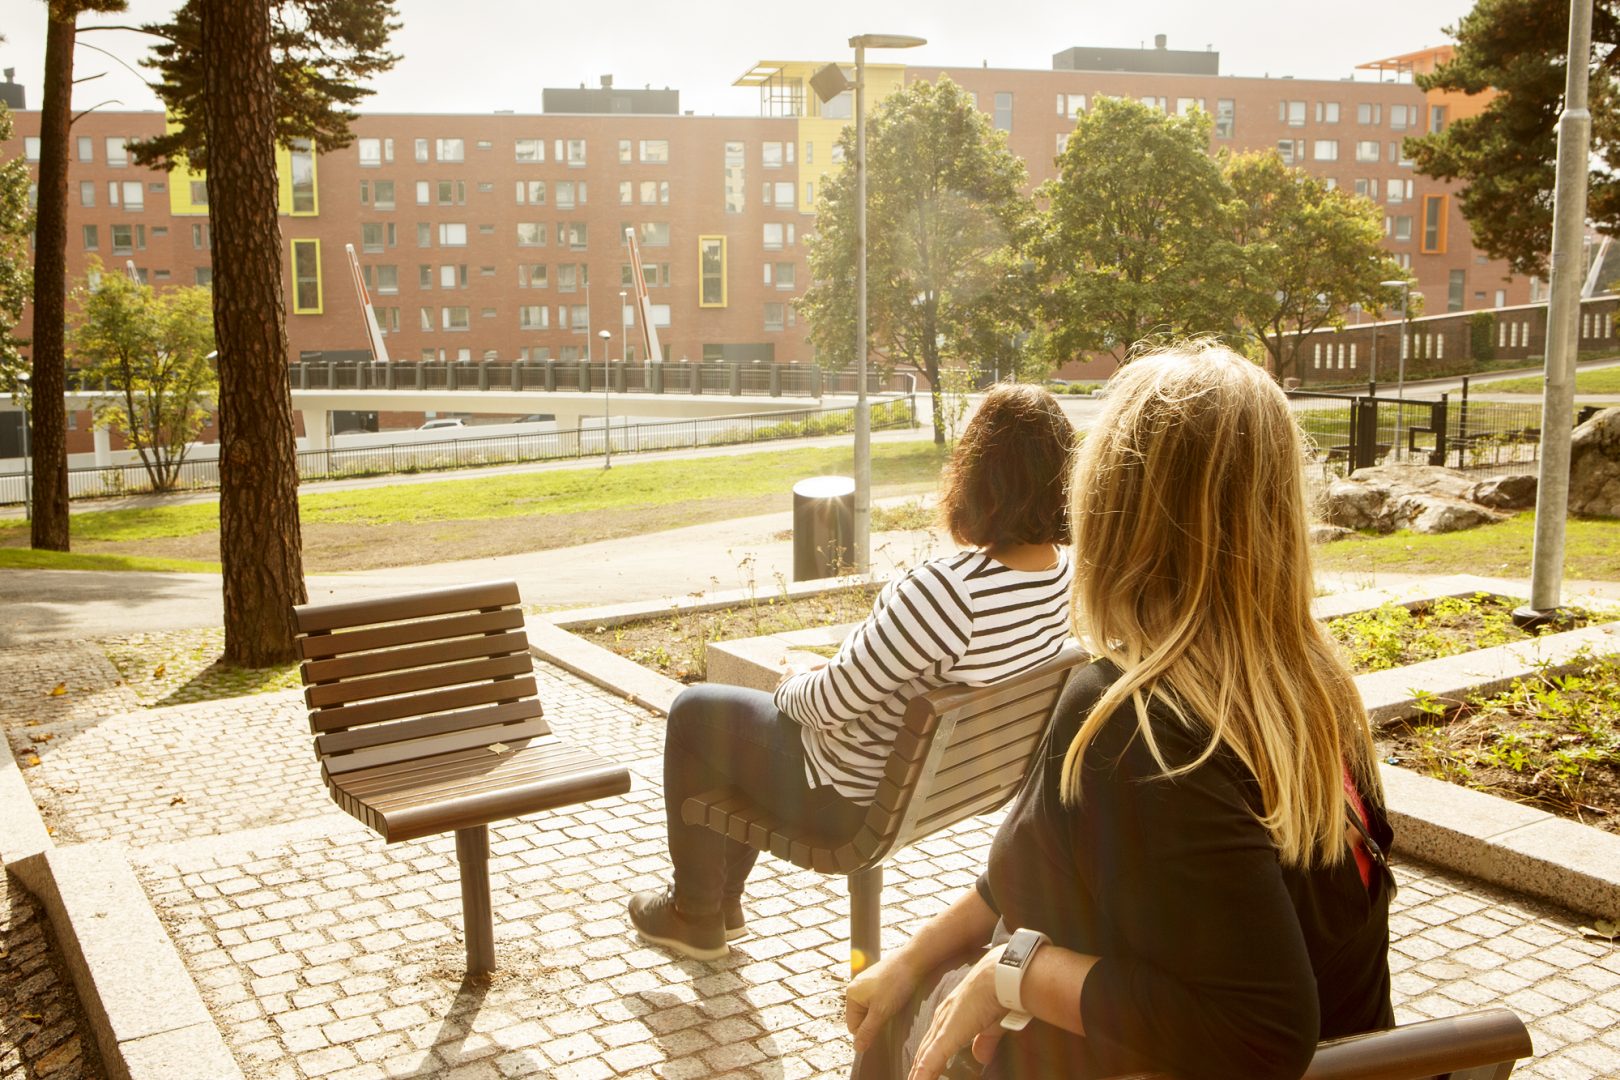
(1423, 498)
(1507, 492)
(1594, 466)
(1427, 479)
(1436, 514)
(1350, 505)
(1327, 534)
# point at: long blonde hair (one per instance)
(1193, 575)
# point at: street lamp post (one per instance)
(607, 408)
(624, 331)
(828, 83)
(28, 412)
(1405, 285)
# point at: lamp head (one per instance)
(1402, 283)
(886, 41)
(604, 334)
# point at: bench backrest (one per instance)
(1474, 1046)
(961, 751)
(400, 678)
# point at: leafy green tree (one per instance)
(16, 278)
(239, 78)
(1506, 156)
(946, 224)
(49, 528)
(1306, 253)
(153, 351)
(1137, 243)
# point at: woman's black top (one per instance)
(1216, 960)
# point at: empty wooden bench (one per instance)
(426, 721)
(1475, 1046)
(961, 751)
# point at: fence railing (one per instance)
(466, 452)
(1350, 431)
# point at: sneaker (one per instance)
(660, 922)
(731, 913)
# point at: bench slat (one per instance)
(1025, 734)
(1010, 756)
(437, 652)
(322, 646)
(512, 736)
(316, 618)
(392, 789)
(435, 701)
(491, 716)
(570, 782)
(412, 681)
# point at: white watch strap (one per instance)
(1010, 981)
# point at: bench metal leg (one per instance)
(865, 917)
(472, 852)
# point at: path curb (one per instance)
(148, 1018)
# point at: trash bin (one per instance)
(823, 526)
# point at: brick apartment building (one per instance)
(501, 236)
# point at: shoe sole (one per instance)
(735, 932)
(684, 948)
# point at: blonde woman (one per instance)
(1192, 879)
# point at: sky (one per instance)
(485, 55)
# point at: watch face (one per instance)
(1018, 950)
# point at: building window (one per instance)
(31, 147)
(778, 193)
(570, 194)
(712, 271)
(302, 155)
(452, 192)
(371, 236)
(1369, 114)
(1457, 286)
(531, 234)
(572, 233)
(117, 152)
(1291, 150)
(840, 107)
(656, 192)
(1071, 105)
(529, 151)
(456, 318)
(452, 235)
(383, 195)
(453, 276)
(388, 279)
(1325, 150)
(123, 239)
(1225, 117)
(450, 150)
(1402, 117)
(735, 199)
(655, 151)
(785, 274)
(627, 192)
(567, 277)
(1291, 113)
(92, 238)
(534, 317)
(1403, 227)
(87, 148)
(626, 151)
(424, 275)
(576, 153)
(87, 193)
(205, 277)
(1327, 112)
(421, 151)
(134, 195)
(653, 234)
(1438, 115)
(306, 260)
(1003, 118)
(531, 192)
(532, 276)
(771, 154)
(374, 152)
(775, 316)
(1434, 225)
(774, 234)
(1367, 150)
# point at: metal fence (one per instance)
(469, 452)
(1346, 432)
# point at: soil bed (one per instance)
(1394, 636)
(1552, 741)
(674, 644)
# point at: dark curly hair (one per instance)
(1005, 484)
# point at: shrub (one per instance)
(1482, 336)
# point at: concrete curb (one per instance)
(148, 1019)
(619, 614)
(598, 666)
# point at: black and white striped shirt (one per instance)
(964, 618)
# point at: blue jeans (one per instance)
(730, 736)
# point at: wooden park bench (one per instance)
(426, 721)
(1474, 1046)
(961, 751)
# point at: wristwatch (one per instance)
(1015, 958)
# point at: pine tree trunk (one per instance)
(48, 436)
(259, 541)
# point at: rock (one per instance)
(1428, 479)
(1507, 492)
(1327, 534)
(1351, 505)
(1594, 466)
(1436, 514)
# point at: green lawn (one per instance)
(22, 558)
(1592, 551)
(1602, 381)
(472, 498)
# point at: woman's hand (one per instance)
(876, 994)
(793, 669)
(969, 1014)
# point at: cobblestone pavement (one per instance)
(329, 954)
(42, 1030)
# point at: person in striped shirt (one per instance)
(815, 750)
